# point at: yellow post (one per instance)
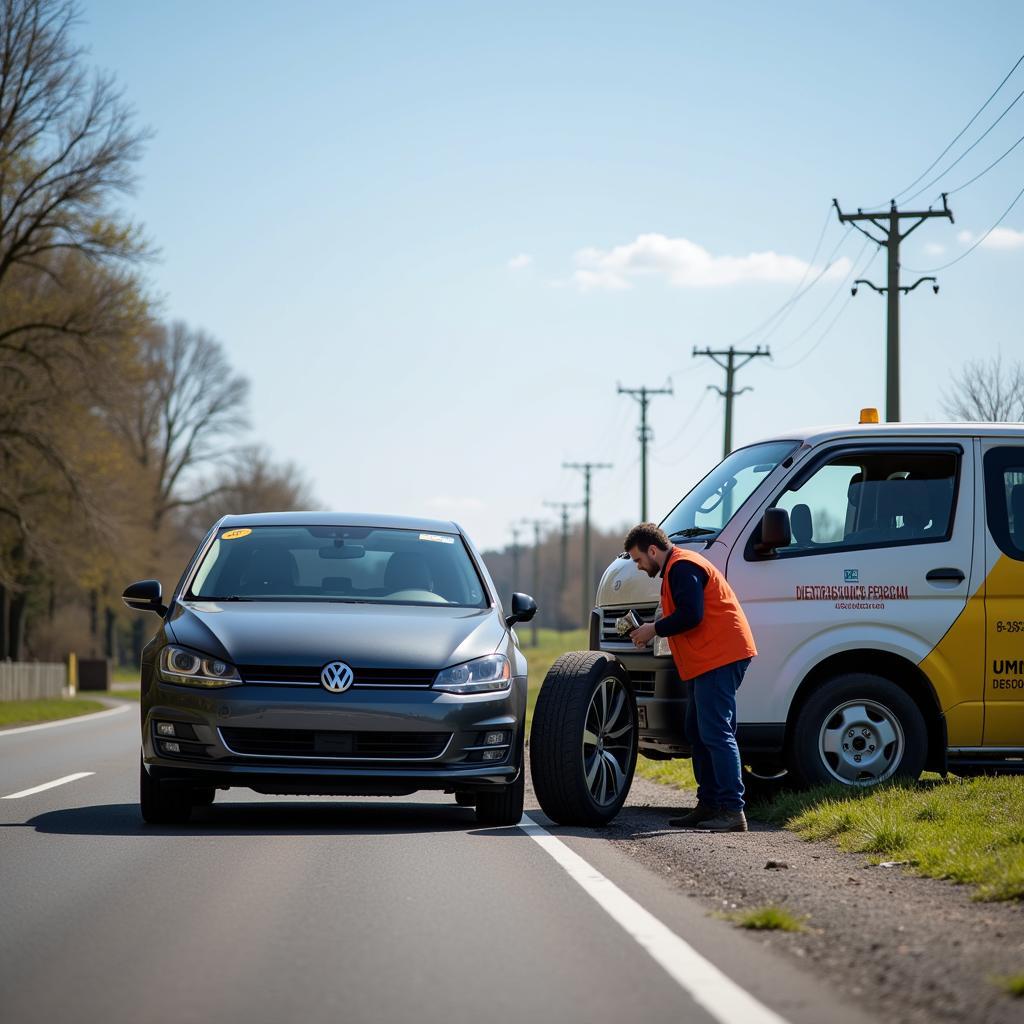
(72, 673)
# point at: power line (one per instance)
(963, 255)
(643, 396)
(942, 174)
(981, 174)
(959, 135)
(689, 419)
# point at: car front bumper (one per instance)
(299, 739)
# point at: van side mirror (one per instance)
(145, 596)
(523, 609)
(776, 531)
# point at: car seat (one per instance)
(407, 571)
(270, 570)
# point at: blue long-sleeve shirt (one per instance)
(686, 582)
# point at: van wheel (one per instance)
(859, 729)
(160, 803)
(583, 743)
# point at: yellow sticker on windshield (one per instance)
(235, 534)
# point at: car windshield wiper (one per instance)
(230, 597)
(692, 531)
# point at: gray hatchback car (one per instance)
(320, 653)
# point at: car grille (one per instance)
(356, 746)
(365, 678)
(610, 635)
(643, 682)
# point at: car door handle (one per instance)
(945, 575)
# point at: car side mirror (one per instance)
(145, 596)
(776, 531)
(523, 609)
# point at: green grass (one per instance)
(767, 919)
(969, 831)
(125, 674)
(28, 712)
(124, 694)
(1013, 985)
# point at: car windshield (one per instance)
(337, 563)
(712, 503)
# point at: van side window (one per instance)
(872, 499)
(1004, 499)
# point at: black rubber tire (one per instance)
(202, 796)
(556, 739)
(807, 763)
(765, 782)
(504, 806)
(160, 803)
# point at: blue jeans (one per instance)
(711, 730)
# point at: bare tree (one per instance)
(181, 412)
(67, 145)
(987, 391)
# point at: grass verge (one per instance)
(1012, 985)
(767, 919)
(29, 712)
(969, 831)
(125, 694)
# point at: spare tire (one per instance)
(583, 742)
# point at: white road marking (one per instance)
(67, 721)
(48, 785)
(705, 983)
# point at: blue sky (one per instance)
(436, 235)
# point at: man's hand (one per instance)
(643, 635)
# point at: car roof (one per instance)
(341, 519)
(869, 431)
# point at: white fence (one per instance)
(32, 680)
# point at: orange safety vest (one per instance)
(723, 635)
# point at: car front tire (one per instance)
(160, 803)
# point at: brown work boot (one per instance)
(725, 821)
(693, 817)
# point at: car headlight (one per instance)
(482, 675)
(189, 668)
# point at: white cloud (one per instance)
(998, 238)
(520, 262)
(685, 264)
(934, 248)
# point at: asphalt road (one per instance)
(342, 910)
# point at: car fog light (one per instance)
(493, 755)
(492, 739)
(171, 748)
(165, 728)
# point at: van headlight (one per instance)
(482, 675)
(189, 668)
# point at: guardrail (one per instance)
(32, 680)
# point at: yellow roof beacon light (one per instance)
(869, 415)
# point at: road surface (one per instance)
(342, 910)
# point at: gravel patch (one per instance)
(901, 947)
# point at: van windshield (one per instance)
(711, 504)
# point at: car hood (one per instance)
(289, 633)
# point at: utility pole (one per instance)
(731, 366)
(889, 224)
(515, 556)
(536, 524)
(587, 469)
(643, 396)
(563, 571)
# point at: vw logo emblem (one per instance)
(336, 677)
(617, 585)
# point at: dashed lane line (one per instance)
(718, 994)
(48, 785)
(92, 717)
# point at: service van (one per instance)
(881, 568)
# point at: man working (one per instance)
(711, 645)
